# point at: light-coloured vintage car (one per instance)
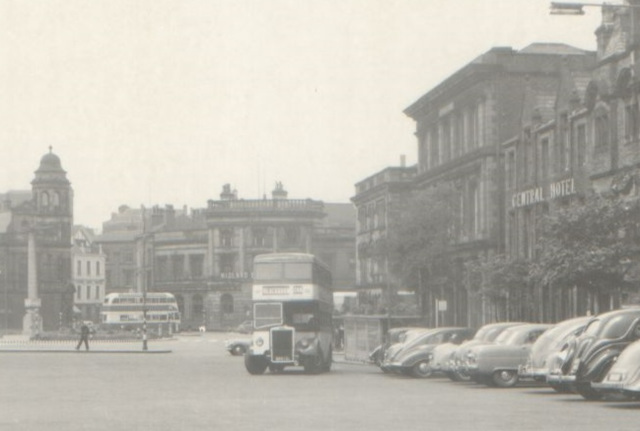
(624, 375)
(416, 357)
(549, 347)
(497, 364)
(594, 352)
(238, 346)
(451, 359)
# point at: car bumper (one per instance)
(607, 386)
(529, 372)
(396, 367)
(556, 377)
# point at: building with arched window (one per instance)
(205, 256)
(517, 135)
(46, 216)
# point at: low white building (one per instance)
(87, 274)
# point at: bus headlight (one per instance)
(304, 343)
(259, 341)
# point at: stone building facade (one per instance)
(48, 217)
(583, 136)
(204, 256)
(519, 134)
(377, 200)
(461, 125)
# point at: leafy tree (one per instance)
(588, 243)
(419, 238)
(504, 279)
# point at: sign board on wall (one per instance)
(536, 195)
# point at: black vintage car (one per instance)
(593, 353)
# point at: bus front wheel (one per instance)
(329, 361)
(314, 364)
(255, 364)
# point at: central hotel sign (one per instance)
(536, 195)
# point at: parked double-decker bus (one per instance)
(292, 309)
(126, 311)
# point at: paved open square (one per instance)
(198, 385)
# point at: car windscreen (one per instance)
(513, 337)
(493, 333)
(617, 326)
(552, 338)
(482, 333)
(593, 328)
(267, 314)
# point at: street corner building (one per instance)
(35, 251)
(514, 134)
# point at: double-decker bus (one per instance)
(126, 311)
(292, 309)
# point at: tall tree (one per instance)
(419, 238)
(588, 243)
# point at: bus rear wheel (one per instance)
(255, 364)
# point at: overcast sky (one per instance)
(162, 102)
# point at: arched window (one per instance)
(56, 199)
(197, 306)
(44, 199)
(226, 303)
(601, 126)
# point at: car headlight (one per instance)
(259, 341)
(471, 358)
(430, 357)
(616, 377)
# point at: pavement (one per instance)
(22, 344)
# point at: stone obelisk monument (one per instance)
(32, 322)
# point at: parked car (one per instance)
(451, 360)
(393, 336)
(237, 347)
(592, 355)
(245, 327)
(497, 364)
(415, 358)
(547, 348)
(404, 339)
(624, 375)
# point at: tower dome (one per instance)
(50, 163)
(50, 170)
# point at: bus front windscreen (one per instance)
(267, 314)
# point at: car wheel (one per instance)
(561, 388)
(453, 376)
(462, 376)
(504, 378)
(422, 370)
(587, 392)
(238, 350)
(255, 364)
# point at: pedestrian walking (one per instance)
(84, 337)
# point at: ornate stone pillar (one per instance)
(32, 322)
